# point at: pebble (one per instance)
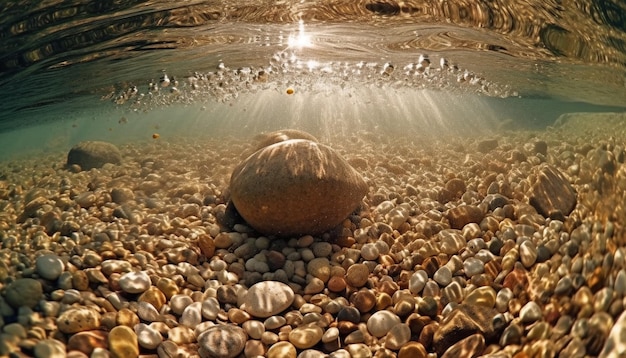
(135, 282)
(223, 340)
(148, 337)
(418, 281)
(50, 348)
(49, 266)
(528, 253)
(530, 312)
(381, 322)
(23, 292)
(192, 315)
(369, 252)
(471, 346)
(451, 241)
(413, 350)
(443, 276)
(78, 319)
(483, 296)
(397, 336)
(306, 336)
(268, 298)
(357, 275)
(87, 341)
(123, 342)
(254, 329)
(147, 312)
(320, 268)
(473, 266)
(359, 350)
(331, 335)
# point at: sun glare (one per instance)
(300, 40)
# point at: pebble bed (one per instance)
(145, 259)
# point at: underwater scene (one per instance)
(311, 179)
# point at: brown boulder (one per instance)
(295, 187)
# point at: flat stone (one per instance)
(295, 187)
(464, 321)
(78, 319)
(222, 340)
(268, 298)
(93, 154)
(24, 292)
(552, 195)
(123, 342)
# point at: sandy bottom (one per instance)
(513, 282)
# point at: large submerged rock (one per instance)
(93, 154)
(551, 194)
(295, 186)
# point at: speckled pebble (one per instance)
(77, 319)
(222, 340)
(268, 298)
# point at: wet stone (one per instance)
(292, 181)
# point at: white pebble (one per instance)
(135, 282)
(369, 252)
(147, 336)
(530, 312)
(443, 276)
(418, 281)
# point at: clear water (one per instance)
(84, 70)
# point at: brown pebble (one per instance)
(464, 214)
(87, 341)
(238, 316)
(364, 300)
(347, 327)
(154, 296)
(207, 245)
(427, 334)
(412, 350)
(336, 284)
(383, 300)
(126, 317)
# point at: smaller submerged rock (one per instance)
(93, 154)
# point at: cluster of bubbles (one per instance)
(289, 74)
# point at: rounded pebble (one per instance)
(223, 341)
(268, 298)
(381, 322)
(135, 282)
(49, 266)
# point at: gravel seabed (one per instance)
(145, 259)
